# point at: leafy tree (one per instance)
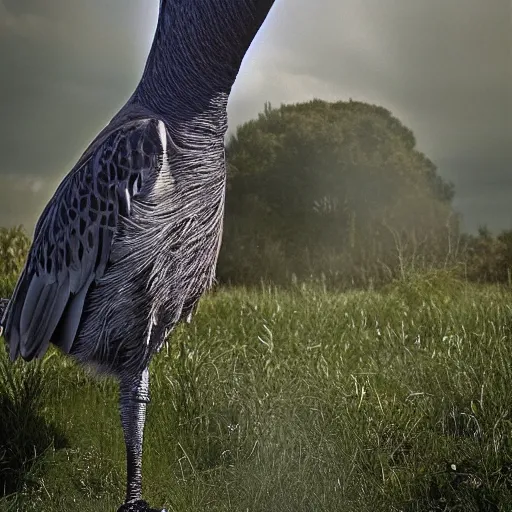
(330, 188)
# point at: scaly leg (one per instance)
(134, 397)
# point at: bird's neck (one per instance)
(196, 54)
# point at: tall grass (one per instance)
(304, 400)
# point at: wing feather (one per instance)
(68, 327)
(74, 237)
(50, 306)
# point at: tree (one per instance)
(333, 188)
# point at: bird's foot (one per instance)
(138, 506)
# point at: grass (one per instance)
(288, 401)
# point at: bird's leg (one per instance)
(134, 396)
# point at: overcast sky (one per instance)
(444, 67)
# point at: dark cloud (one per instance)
(443, 67)
(67, 66)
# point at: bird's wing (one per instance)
(74, 235)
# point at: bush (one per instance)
(14, 247)
(488, 258)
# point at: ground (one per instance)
(289, 401)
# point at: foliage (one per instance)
(331, 188)
(488, 257)
(14, 246)
(299, 400)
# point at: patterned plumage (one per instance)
(121, 212)
(129, 241)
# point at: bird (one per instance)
(129, 241)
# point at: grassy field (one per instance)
(304, 400)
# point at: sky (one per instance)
(443, 67)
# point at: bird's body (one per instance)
(140, 235)
(129, 242)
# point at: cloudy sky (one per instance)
(444, 67)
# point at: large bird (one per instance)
(129, 241)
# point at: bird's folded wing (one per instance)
(74, 236)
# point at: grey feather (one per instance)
(66, 330)
(74, 237)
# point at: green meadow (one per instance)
(397, 399)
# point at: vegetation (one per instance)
(489, 258)
(14, 245)
(294, 401)
(337, 189)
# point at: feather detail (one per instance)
(74, 238)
